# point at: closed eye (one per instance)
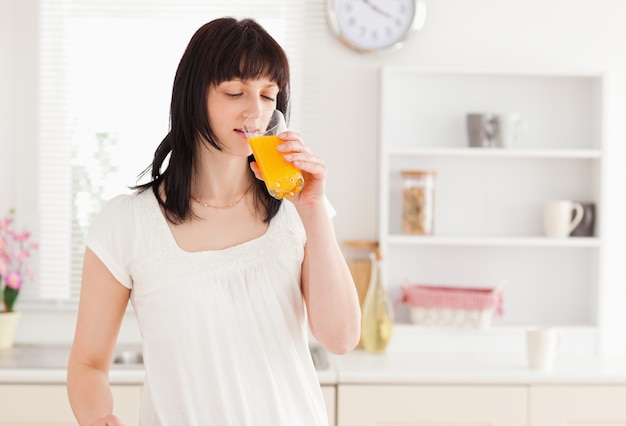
(233, 95)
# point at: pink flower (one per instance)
(21, 255)
(15, 256)
(4, 223)
(23, 236)
(14, 280)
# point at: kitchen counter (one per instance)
(403, 363)
(47, 364)
(471, 368)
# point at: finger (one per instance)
(304, 157)
(112, 420)
(294, 145)
(109, 420)
(289, 135)
(312, 165)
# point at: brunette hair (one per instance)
(223, 49)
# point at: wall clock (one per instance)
(370, 26)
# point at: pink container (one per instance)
(448, 306)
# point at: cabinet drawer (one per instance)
(578, 405)
(36, 405)
(395, 405)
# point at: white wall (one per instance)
(481, 34)
(477, 34)
(7, 116)
(18, 100)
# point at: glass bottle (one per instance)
(377, 313)
(418, 202)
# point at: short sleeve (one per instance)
(112, 237)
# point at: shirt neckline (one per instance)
(165, 228)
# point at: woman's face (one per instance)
(230, 103)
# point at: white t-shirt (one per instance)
(224, 331)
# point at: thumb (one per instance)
(255, 169)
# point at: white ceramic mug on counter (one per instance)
(543, 344)
(560, 217)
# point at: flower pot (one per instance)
(8, 327)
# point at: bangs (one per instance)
(250, 56)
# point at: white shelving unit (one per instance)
(489, 201)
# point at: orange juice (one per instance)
(282, 178)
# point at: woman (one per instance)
(223, 278)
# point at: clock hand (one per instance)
(377, 9)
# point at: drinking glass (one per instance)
(282, 178)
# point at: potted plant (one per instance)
(16, 249)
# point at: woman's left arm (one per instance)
(329, 291)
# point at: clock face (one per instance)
(373, 25)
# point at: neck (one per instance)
(221, 182)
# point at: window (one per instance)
(107, 69)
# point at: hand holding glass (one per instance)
(281, 177)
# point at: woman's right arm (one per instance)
(103, 301)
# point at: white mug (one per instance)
(557, 217)
(509, 128)
(542, 344)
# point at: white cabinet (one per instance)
(578, 405)
(48, 405)
(443, 405)
(395, 405)
(489, 201)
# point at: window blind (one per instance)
(106, 71)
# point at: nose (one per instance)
(250, 124)
(252, 106)
(248, 112)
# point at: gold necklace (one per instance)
(228, 206)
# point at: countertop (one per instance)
(47, 364)
(401, 364)
(359, 367)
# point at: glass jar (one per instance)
(418, 202)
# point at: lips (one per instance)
(248, 129)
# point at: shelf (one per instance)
(489, 200)
(591, 154)
(414, 330)
(424, 240)
(579, 338)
